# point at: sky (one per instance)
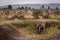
(7, 2)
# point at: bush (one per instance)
(13, 17)
(16, 16)
(19, 25)
(46, 16)
(31, 29)
(50, 31)
(36, 14)
(21, 17)
(59, 27)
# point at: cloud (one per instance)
(7, 2)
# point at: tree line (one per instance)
(10, 7)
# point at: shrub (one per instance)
(21, 17)
(5, 18)
(19, 25)
(31, 28)
(59, 27)
(50, 31)
(46, 16)
(36, 14)
(13, 17)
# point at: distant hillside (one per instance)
(36, 6)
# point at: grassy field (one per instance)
(27, 27)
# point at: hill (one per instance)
(36, 6)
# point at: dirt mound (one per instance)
(8, 33)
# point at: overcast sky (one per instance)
(7, 2)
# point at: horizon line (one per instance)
(29, 3)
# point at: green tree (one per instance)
(26, 8)
(10, 7)
(48, 7)
(29, 8)
(22, 7)
(42, 6)
(57, 8)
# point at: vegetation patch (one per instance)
(50, 31)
